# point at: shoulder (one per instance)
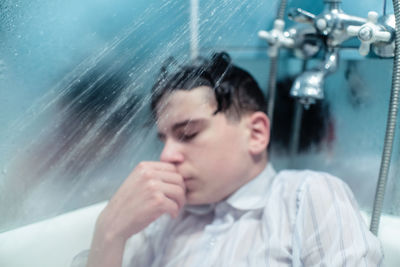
(304, 175)
(300, 179)
(319, 187)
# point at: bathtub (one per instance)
(55, 242)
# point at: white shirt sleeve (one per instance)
(329, 229)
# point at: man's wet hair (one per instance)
(236, 91)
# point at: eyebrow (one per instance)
(185, 123)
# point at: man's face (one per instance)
(209, 151)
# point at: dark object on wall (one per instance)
(316, 128)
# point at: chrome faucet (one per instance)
(309, 86)
(337, 27)
(332, 27)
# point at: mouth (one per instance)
(188, 183)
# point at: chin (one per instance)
(193, 199)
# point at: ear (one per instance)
(258, 124)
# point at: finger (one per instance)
(170, 178)
(175, 193)
(158, 165)
(171, 207)
(146, 169)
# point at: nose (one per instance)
(171, 152)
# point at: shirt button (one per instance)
(212, 242)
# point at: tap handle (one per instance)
(276, 38)
(369, 33)
(373, 17)
(279, 25)
(300, 15)
(379, 34)
(364, 48)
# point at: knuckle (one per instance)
(141, 166)
(175, 209)
(154, 216)
(146, 174)
(158, 200)
(181, 191)
(152, 185)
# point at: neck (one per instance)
(259, 163)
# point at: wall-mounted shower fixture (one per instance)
(331, 26)
(334, 27)
(338, 27)
(329, 29)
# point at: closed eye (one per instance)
(161, 137)
(187, 137)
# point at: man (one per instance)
(226, 204)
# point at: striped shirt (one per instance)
(293, 218)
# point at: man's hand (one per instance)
(152, 189)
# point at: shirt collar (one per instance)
(252, 195)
